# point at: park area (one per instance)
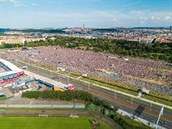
(82, 122)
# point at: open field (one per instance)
(46, 72)
(140, 72)
(48, 123)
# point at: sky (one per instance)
(90, 13)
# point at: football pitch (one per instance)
(48, 123)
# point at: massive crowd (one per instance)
(147, 73)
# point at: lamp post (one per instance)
(150, 106)
(160, 114)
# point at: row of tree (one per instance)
(101, 106)
(67, 96)
(122, 47)
(126, 123)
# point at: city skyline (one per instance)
(91, 13)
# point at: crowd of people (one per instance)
(148, 73)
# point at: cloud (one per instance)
(150, 18)
(87, 20)
(97, 18)
(154, 18)
(19, 4)
(168, 18)
(14, 2)
(114, 19)
(34, 4)
(106, 18)
(7, 1)
(144, 18)
(142, 22)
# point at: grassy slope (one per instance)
(47, 123)
(130, 92)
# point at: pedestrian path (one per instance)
(138, 119)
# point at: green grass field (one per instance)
(48, 123)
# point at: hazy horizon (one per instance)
(168, 27)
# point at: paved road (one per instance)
(41, 106)
(126, 104)
(102, 93)
(139, 119)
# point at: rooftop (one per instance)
(12, 68)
